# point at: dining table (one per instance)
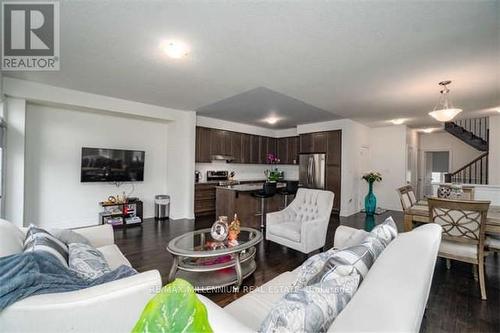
(492, 219)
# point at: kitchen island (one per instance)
(238, 199)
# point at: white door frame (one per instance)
(422, 163)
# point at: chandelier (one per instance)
(444, 110)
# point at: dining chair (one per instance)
(414, 210)
(463, 223)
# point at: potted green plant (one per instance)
(272, 174)
(370, 199)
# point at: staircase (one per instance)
(475, 133)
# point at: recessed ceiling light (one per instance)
(428, 130)
(271, 120)
(398, 121)
(174, 49)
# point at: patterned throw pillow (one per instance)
(311, 271)
(87, 261)
(38, 239)
(69, 236)
(363, 256)
(315, 307)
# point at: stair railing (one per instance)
(474, 172)
(477, 126)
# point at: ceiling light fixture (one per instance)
(174, 49)
(271, 120)
(428, 130)
(398, 121)
(444, 110)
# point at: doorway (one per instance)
(436, 165)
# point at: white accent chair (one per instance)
(110, 307)
(303, 224)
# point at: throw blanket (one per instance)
(31, 273)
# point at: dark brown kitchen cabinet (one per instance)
(220, 142)
(333, 178)
(306, 143)
(267, 146)
(320, 142)
(334, 149)
(293, 150)
(287, 150)
(203, 138)
(254, 149)
(236, 147)
(204, 199)
(282, 150)
(314, 142)
(245, 148)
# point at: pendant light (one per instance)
(444, 110)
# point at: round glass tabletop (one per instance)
(200, 243)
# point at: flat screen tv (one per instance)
(112, 165)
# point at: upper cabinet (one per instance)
(287, 150)
(203, 139)
(236, 147)
(245, 148)
(314, 142)
(267, 146)
(220, 142)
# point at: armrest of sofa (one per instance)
(110, 307)
(100, 235)
(220, 320)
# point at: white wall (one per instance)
(180, 145)
(460, 152)
(13, 201)
(354, 144)
(388, 153)
(494, 156)
(54, 138)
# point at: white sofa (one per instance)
(392, 297)
(110, 307)
(303, 224)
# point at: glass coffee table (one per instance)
(208, 264)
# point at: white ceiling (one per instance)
(365, 60)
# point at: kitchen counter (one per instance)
(239, 199)
(248, 187)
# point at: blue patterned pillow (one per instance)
(87, 261)
(315, 307)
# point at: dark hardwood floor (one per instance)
(454, 304)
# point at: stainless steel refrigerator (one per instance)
(312, 171)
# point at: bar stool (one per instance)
(291, 189)
(268, 191)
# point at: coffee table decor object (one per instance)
(220, 229)
(210, 264)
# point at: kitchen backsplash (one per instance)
(247, 171)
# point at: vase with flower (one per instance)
(370, 199)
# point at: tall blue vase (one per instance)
(370, 200)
